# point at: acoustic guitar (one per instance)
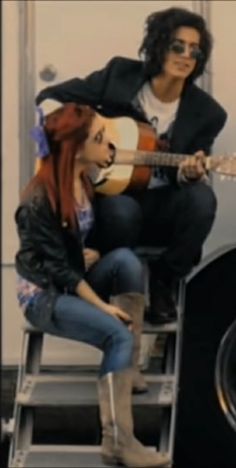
(136, 152)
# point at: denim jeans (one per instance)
(117, 272)
(177, 217)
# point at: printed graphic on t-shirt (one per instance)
(161, 117)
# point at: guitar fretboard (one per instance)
(141, 158)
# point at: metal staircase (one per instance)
(39, 389)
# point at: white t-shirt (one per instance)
(161, 115)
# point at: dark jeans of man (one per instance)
(178, 217)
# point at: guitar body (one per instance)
(125, 134)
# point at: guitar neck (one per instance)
(144, 158)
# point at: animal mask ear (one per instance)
(50, 105)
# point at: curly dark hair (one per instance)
(159, 30)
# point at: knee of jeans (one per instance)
(128, 263)
(202, 201)
(126, 258)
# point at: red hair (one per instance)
(67, 129)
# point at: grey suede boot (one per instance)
(134, 304)
(118, 443)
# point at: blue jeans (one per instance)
(177, 217)
(117, 272)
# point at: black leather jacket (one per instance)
(50, 254)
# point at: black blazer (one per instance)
(112, 91)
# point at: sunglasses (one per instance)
(179, 47)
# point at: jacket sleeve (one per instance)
(40, 228)
(205, 139)
(89, 90)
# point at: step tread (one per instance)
(69, 456)
(58, 457)
(69, 390)
(148, 328)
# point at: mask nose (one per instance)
(111, 146)
(112, 150)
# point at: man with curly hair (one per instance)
(178, 207)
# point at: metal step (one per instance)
(148, 328)
(43, 456)
(65, 390)
(60, 456)
(155, 329)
